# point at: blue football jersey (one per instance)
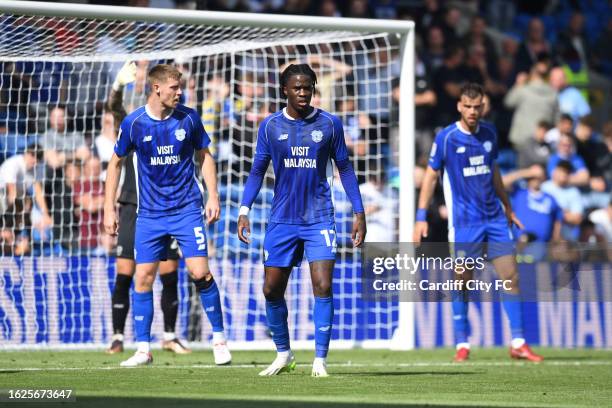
(467, 161)
(301, 151)
(165, 170)
(538, 211)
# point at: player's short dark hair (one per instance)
(472, 90)
(296, 69)
(566, 166)
(35, 150)
(161, 73)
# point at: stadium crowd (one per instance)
(546, 68)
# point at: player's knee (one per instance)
(321, 288)
(199, 274)
(203, 283)
(125, 267)
(272, 292)
(144, 280)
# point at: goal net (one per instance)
(56, 264)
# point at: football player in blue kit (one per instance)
(301, 142)
(479, 211)
(167, 138)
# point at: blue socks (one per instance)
(143, 315)
(461, 324)
(514, 310)
(323, 316)
(211, 302)
(276, 312)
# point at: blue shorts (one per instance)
(153, 235)
(471, 241)
(284, 244)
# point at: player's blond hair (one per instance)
(161, 73)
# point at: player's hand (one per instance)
(359, 229)
(513, 219)
(127, 74)
(421, 229)
(244, 229)
(213, 209)
(110, 222)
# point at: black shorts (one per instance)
(126, 233)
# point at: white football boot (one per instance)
(221, 353)
(319, 368)
(283, 363)
(140, 358)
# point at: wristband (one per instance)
(421, 214)
(244, 210)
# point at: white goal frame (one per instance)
(404, 337)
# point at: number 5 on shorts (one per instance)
(200, 238)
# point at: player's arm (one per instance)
(209, 173)
(428, 186)
(498, 184)
(113, 172)
(254, 182)
(39, 197)
(349, 182)
(114, 104)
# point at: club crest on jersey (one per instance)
(487, 146)
(317, 136)
(180, 134)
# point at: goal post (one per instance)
(56, 54)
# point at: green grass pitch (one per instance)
(359, 378)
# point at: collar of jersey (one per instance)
(311, 115)
(152, 116)
(466, 132)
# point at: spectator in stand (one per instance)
(571, 100)
(573, 38)
(425, 101)
(379, 203)
(435, 49)
(538, 211)
(59, 143)
(568, 198)
(447, 82)
(533, 100)
(564, 126)
(602, 219)
(601, 52)
(449, 25)
(566, 151)
(385, 9)
(358, 9)
(536, 150)
(329, 8)
(478, 36)
(429, 16)
(598, 160)
(89, 203)
(356, 127)
(534, 45)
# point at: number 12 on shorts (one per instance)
(330, 238)
(200, 238)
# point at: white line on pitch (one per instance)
(348, 364)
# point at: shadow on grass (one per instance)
(226, 403)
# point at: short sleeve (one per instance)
(339, 150)
(575, 201)
(436, 156)
(200, 138)
(124, 144)
(578, 163)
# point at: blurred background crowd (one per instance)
(546, 67)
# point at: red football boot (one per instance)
(525, 353)
(462, 354)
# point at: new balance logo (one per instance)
(324, 328)
(147, 138)
(283, 136)
(201, 247)
(210, 309)
(139, 318)
(461, 149)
